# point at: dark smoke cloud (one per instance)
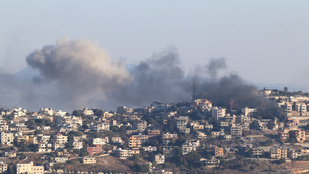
(214, 66)
(81, 70)
(159, 78)
(76, 74)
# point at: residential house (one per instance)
(189, 146)
(153, 133)
(4, 127)
(47, 111)
(117, 140)
(213, 162)
(61, 159)
(150, 148)
(160, 159)
(201, 135)
(100, 141)
(89, 160)
(87, 111)
(45, 147)
(78, 145)
(216, 134)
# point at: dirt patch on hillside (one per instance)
(106, 163)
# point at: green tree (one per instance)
(193, 159)
(98, 112)
(254, 125)
(11, 170)
(78, 113)
(31, 124)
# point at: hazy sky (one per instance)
(264, 41)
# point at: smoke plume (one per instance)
(80, 68)
(159, 78)
(73, 74)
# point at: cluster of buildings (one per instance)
(159, 129)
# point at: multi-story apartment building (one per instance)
(168, 151)
(3, 167)
(219, 152)
(133, 142)
(61, 139)
(278, 153)
(92, 150)
(299, 135)
(301, 108)
(141, 126)
(7, 138)
(29, 168)
(182, 121)
(257, 152)
(288, 109)
(153, 133)
(218, 112)
(236, 131)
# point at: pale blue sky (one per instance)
(264, 41)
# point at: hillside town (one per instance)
(193, 136)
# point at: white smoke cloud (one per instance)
(80, 68)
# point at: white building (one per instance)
(248, 111)
(160, 159)
(218, 112)
(3, 167)
(89, 160)
(100, 141)
(182, 121)
(29, 168)
(87, 111)
(7, 138)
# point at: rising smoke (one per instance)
(82, 73)
(80, 69)
(159, 78)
